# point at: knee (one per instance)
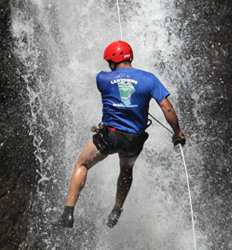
(86, 162)
(82, 163)
(81, 169)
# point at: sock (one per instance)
(68, 210)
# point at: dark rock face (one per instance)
(17, 162)
(210, 47)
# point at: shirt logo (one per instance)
(126, 90)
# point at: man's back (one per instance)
(126, 93)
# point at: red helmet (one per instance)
(118, 51)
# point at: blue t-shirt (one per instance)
(126, 93)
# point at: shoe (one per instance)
(66, 219)
(113, 217)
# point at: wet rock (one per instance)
(17, 162)
(209, 116)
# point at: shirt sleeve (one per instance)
(98, 81)
(158, 91)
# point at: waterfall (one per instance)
(60, 44)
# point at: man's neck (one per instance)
(123, 65)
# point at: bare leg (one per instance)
(124, 180)
(123, 186)
(88, 157)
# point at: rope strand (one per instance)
(119, 19)
(190, 198)
(160, 123)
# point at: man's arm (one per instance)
(172, 119)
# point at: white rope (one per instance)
(190, 198)
(119, 19)
(181, 151)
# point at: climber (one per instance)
(126, 92)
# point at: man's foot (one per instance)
(113, 217)
(66, 219)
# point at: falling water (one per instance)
(60, 44)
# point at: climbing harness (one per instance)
(180, 146)
(110, 140)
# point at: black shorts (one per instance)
(110, 141)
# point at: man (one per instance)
(126, 93)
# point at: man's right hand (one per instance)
(179, 138)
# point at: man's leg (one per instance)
(123, 186)
(124, 180)
(88, 157)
